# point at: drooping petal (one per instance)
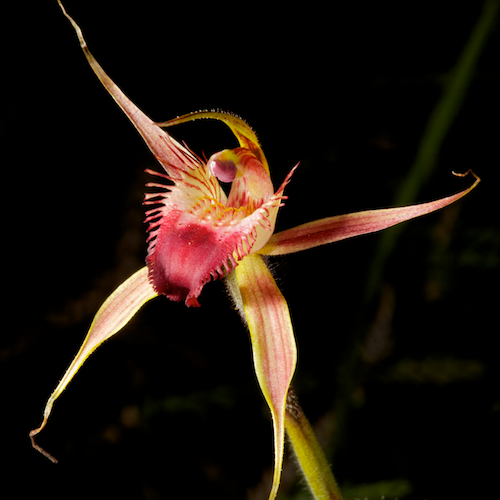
(341, 227)
(114, 314)
(273, 343)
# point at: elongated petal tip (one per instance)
(37, 447)
(112, 316)
(341, 227)
(273, 344)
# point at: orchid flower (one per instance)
(197, 233)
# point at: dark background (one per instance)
(403, 389)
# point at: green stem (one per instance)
(308, 452)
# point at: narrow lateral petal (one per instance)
(113, 315)
(172, 155)
(273, 344)
(341, 227)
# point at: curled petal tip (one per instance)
(37, 447)
(471, 172)
(340, 227)
(113, 315)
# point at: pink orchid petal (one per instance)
(173, 156)
(341, 227)
(273, 344)
(114, 314)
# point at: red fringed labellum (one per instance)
(196, 233)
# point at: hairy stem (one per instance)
(309, 454)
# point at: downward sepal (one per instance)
(273, 344)
(114, 314)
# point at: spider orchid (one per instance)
(197, 233)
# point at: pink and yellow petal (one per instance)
(273, 344)
(341, 227)
(173, 156)
(114, 314)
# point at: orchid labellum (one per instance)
(197, 233)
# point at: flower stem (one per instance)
(308, 452)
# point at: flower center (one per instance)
(251, 184)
